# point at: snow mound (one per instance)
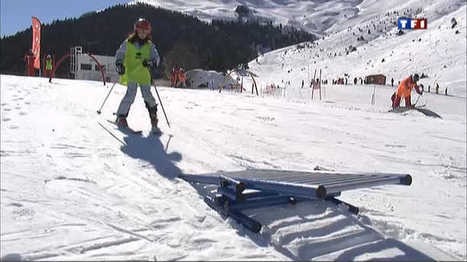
(198, 78)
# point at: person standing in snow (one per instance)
(134, 60)
(453, 22)
(48, 67)
(404, 91)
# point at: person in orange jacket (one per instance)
(181, 78)
(173, 76)
(404, 91)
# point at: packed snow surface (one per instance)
(70, 190)
(74, 187)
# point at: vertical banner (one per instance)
(36, 41)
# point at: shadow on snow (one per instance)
(151, 150)
(320, 230)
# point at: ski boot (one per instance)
(121, 122)
(153, 116)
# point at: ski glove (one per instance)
(149, 64)
(120, 68)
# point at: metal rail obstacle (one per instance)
(255, 188)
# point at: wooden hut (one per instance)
(375, 79)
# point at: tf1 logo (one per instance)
(411, 23)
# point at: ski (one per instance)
(112, 134)
(126, 129)
(420, 109)
(404, 109)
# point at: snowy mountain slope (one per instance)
(72, 191)
(437, 52)
(314, 16)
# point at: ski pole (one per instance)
(99, 111)
(163, 110)
(417, 100)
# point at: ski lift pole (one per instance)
(373, 96)
(163, 110)
(319, 84)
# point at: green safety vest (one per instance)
(48, 64)
(133, 62)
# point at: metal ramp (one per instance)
(254, 188)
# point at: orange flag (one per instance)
(36, 41)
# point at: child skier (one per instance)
(134, 60)
(48, 67)
(404, 91)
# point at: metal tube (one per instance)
(327, 182)
(308, 191)
(99, 111)
(203, 179)
(163, 110)
(247, 222)
(356, 185)
(259, 194)
(352, 209)
(225, 180)
(314, 179)
(230, 193)
(270, 173)
(362, 180)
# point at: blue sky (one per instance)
(16, 14)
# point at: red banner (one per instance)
(36, 41)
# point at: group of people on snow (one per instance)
(178, 77)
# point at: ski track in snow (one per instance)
(74, 192)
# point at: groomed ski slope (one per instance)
(69, 190)
(437, 52)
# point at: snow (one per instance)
(198, 78)
(314, 16)
(69, 190)
(72, 191)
